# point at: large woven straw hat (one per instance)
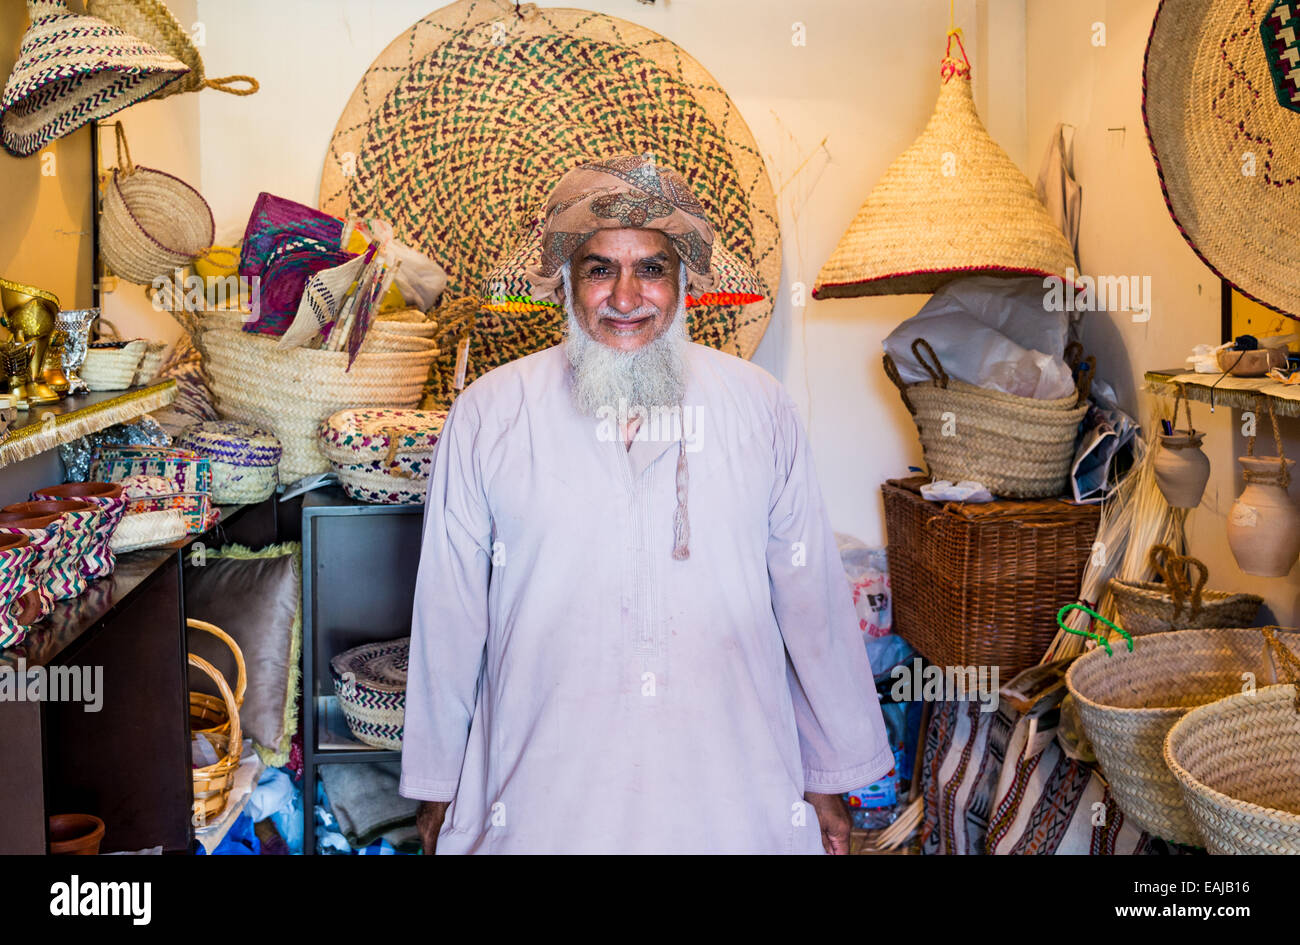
(73, 70)
(952, 205)
(158, 26)
(460, 129)
(1221, 102)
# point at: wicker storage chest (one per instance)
(980, 585)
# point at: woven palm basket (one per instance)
(370, 682)
(952, 205)
(289, 391)
(1128, 702)
(1221, 105)
(155, 24)
(1238, 764)
(1018, 447)
(509, 99)
(1176, 603)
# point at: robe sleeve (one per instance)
(449, 622)
(842, 736)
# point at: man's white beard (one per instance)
(654, 375)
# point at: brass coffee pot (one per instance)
(29, 314)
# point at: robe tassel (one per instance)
(681, 524)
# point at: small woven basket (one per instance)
(1129, 701)
(1018, 447)
(151, 363)
(209, 714)
(1238, 764)
(212, 783)
(245, 460)
(152, 223)
(150, 529)
(289, 391)
(113, 368)
(1177, 603)
(370, 681)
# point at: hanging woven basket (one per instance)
(151, 223)
(952, 205)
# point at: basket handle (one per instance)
(1102, 641)
(236, 731)
(891, 372)
(1286, 661)
(937, 373)
(241, 679)
(127, 166)
(390, 459)
(225, 84)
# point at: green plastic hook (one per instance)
(1060, 622)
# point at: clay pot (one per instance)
(1264, 524)
(75, 834)
(1182, 469)
(105, 496)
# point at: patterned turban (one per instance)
(627, 191)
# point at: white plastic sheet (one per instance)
(991, 332)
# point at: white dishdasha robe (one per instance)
(572, 687)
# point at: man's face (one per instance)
(625, 286)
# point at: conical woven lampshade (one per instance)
(952, 205)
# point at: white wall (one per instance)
(1126, 230)
(865, 82)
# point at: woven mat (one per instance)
(460, 128)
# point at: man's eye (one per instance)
(597, 272)
(653, 270)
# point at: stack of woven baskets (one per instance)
(289, 391)
(1193, 751)
(1017, 447)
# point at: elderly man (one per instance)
(632, 634)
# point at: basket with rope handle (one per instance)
(1237, 762)
(1178, 602)
(151, 223)
(209, 714)
(1017, 447)
(1129, 700)
(212, 783)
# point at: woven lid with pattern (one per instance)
(141, 486)
(378, 432)
(381, 667)
(952, 205)
(509, 100)
(1221, 104)
(227, 441)
(73, 70)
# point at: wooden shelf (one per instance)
(77, 415)
(1239, 393)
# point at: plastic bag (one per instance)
(993, 333)
(867, 570)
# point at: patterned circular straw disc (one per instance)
(459, 130)
(1221, 102)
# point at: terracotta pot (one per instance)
(76, 834)
(1182, 469)
(105, 496)
(1264, 524)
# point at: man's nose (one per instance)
(626, 295)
